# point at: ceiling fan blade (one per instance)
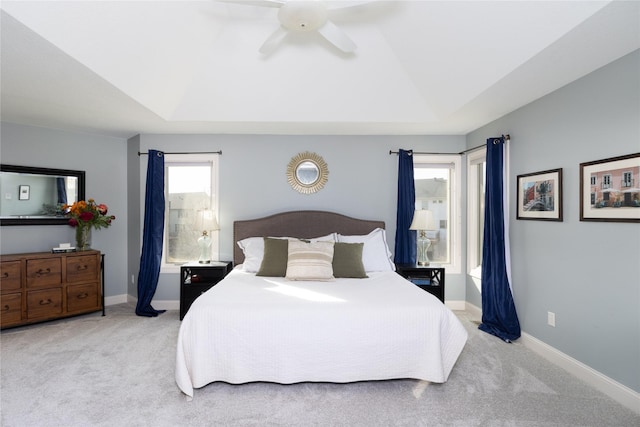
(262, 3)
(337, 37)
(273, 41)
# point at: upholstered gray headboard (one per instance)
(301, 224)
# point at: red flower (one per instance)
(89, 213)
(86, 216)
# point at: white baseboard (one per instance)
(618, 392)
(116, 299)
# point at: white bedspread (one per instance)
(249, 328)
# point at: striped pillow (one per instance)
(310, 260)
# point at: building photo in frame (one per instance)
(609, 189)
(540, 196)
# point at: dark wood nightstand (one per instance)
(428, 278)
(196, 279)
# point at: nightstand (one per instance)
(428, 278)
(196, 279)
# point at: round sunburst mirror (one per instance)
(307, 172)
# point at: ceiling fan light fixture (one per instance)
(303, 15)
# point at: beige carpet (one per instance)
(118, 370)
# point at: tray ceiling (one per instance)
(421, 67)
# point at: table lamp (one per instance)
(206, 221)
(422, 221)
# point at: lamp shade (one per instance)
(206, 221)
(423, 220)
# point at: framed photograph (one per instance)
(23, 192)
(540, 196)
(610, 189)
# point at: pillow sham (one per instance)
(310, 260)
(253, 249)
(347, 261)
(274, 261)
(376, 255)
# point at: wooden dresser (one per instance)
(35, 287)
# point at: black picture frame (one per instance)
(610, 189)
(25, 174)
(539, 196)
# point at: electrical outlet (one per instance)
(551, 319)
(133, 280)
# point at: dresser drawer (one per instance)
(82, 268)
(83, 297)
(10, 309)
(10, 278)
(43, 272)
(44, 303)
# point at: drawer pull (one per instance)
(45, 302)
(42, 272)
(82, 267)
(5, 307)
(5, 275)
(83, 295)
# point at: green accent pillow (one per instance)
(276, 254)
(347, 260)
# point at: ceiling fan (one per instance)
(304, 16)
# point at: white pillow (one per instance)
(376, 255)
(310, 260)
(253, 249)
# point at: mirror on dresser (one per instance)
(34, 196)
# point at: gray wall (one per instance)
(253, 183)
(104, 160)
(587, 273)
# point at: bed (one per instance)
(304, 325)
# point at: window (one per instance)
(190, 187)
(437, 181)
(627, 179)
(476, 176)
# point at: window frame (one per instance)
(455, 205)
(474, 243)
(195, 159)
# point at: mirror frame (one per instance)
(292, 169)
(80, 175)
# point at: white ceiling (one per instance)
(421, 67)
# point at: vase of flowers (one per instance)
(83, 237)
(84, 216)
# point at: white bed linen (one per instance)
(249, 328)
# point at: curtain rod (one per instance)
(186, 152)
(506, 137)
